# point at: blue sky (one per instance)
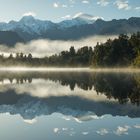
(57, 10)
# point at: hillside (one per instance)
(9, 38)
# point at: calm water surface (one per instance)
(69, 106)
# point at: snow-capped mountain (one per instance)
(31, 25)
(30, 28)
(79, 19)
(27, 24)
(30, 107)
(82, 25)
(38, 26)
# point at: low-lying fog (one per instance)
(70, 69)
(44, 47)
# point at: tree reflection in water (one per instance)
(123, 87)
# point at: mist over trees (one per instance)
(81, 57)
(123, 51)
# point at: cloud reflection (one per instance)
(30, 121)
(137, 126)
(122, 130)
(102, 131)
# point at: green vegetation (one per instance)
(80, 58)
(120, 52)
(123, 51)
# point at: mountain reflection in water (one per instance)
(78, 94)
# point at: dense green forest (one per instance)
(120, 52)
(123, 51)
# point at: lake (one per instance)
(69, 105)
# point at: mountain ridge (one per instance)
(9, 38)
(29, 28)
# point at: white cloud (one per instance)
(89, 17)
(137, 126)
(77, 120)
(85, 133)
(103, 2)
(55, 130)
(64, 129)
(97, 17)
(122, 130)
(102, 132)
(29, 14)
(77, 15)
(55, 5)
(85, 1)
(44, 47)
(66, 17)
(122, 4)
(30, 121)
(66, 118)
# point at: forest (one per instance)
(123, 51)
(80, 58)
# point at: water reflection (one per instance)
(123, 87)
(83, 95)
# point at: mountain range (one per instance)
(28, 28)
(30, 107)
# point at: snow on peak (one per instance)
(79, 19)
(86, 17)
(31, 25)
